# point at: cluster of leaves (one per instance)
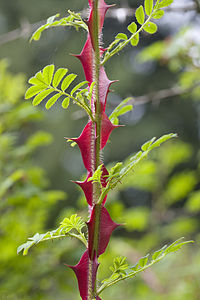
(121, 270)
(71, 227)
(143, 16)
(74, 19)
(52, 86)
(120, 110)
(119, 171)
(25, 198)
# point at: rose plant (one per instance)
(91, 96)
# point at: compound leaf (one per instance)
(68, 227)
(121, 270)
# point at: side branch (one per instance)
(157, 96)
(121, 14)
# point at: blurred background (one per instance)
(158, 203)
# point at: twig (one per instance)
(154, 97)
(161, 95)
(22, 32)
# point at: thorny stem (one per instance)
(96, 139)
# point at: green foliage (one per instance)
(143, 16)
(67, 228)
(193, 203)
(152, 176)
(119, 171)
(74, 19)
(120, 110)
(148, 4)
(121, 270)
(96, 177)
(25, 198)
(139, 14)
(52, 86)
(150, 27)
(179, 186)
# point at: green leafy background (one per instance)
(158, 203)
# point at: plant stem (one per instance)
(96, 138)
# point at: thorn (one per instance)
(112, 5)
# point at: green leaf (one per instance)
(67, 81)
(37, 34)
(48, 81)
(132, 27)
(74, 19)
(58, 76)
(121, 36)
(48, 74)
(140, 14)
(122, 271)
(121, 109)
(34, 90)
(96, 177)
(134, 160)
(37, 79)
(165, 3)
(148, 4)
(143, 261)
(150, 27)
(74, 222)
(51, 19)
(52, 101)
(176, 246)
(38, 99)
(162, 139)
(146, 146)
(158, 14)
(65, 103)
(68, 227)
(114, 171)
(125, 109)
(135, 39)
(40, 77)
(78, 86)
(157, 254)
